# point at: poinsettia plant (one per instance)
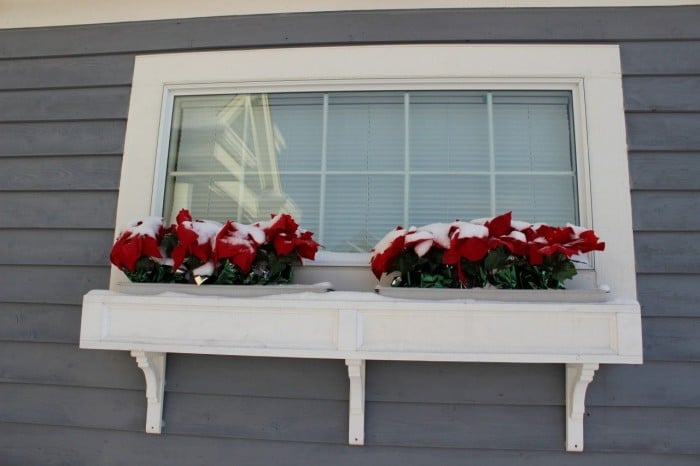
(497, 252)
(204, 251)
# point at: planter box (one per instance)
(493, 294)
(232, 291)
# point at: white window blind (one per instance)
(352, 165)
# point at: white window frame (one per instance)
(591, 72)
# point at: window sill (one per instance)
(360, 326)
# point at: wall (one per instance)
(63, 103)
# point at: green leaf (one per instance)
(565, 270)
(148, 271)
(227, 274)
(496, 259)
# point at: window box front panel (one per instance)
(350, 325)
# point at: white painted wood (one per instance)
(153, 367)
(578, 376)
(356, 404)
(356, 327)
(37, 13)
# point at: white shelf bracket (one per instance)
(153, 367)
(356, 424)
(578, 376)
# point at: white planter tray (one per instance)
(597, 295)
(231, 291)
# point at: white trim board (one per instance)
(42, 13)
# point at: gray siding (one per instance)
(63, 104)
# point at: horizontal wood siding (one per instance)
(530, 24)
(60, 173)
(65, 104)
(25, 444)
(62, 138)
(64, 96)
(33, 322)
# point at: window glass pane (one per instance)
(365, 131)
(303, 193)
(352, 165)
(449, 129)
(531, 132)
(298, 130)
(548, 199)
(448, 197)
(360, 209)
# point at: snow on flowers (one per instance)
(203, 251)
(497, 252)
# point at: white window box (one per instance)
(357, 327)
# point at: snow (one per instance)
(416, 235)
(421, 240)
(577, 229)
(519, 225)
(517, 235)
(237, 240)
(148, 226)
(206, 229)
(469, 230)
(440, 233)
(423, 247)
(255, 233)
(388, 240)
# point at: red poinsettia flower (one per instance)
(585, 240)
(387, 250)
(239, 244)
(500, 225)
(299, 242)
(555, 235)
(284, 234)
(194, 237)
(306, 247)
(467, 240)
(141, 238)
(280, 223)
(515, 241)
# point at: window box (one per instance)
(231, 291)
(593, 295)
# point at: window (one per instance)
(541, 132)
(352, 165)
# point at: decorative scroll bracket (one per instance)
(153, 367)
(578, 376)
(356, 424)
